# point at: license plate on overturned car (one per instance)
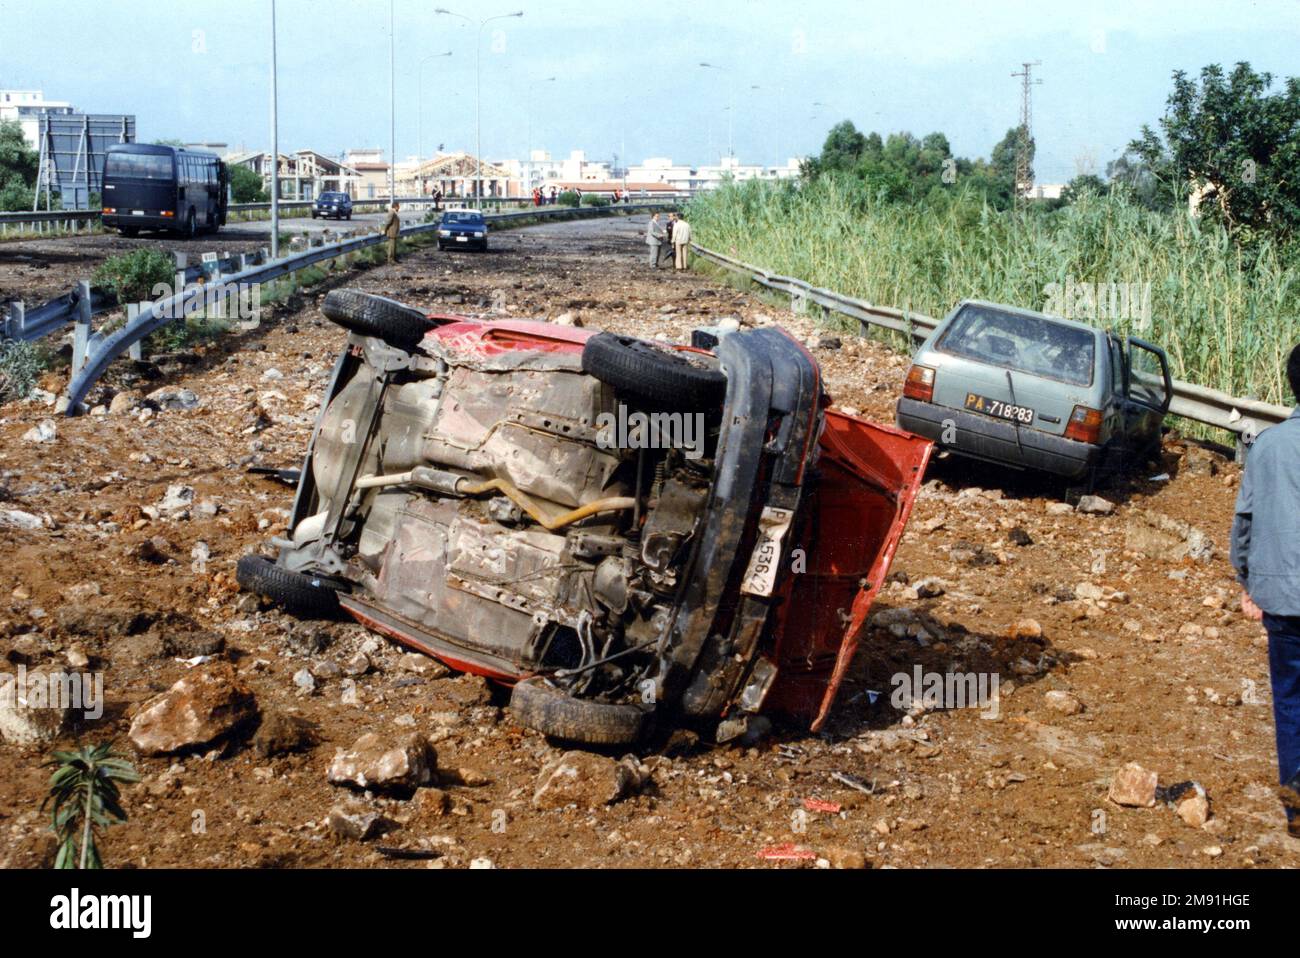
(760, 575)
(999, 409)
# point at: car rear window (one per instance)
(1027, 344)
(140, 166)
(464, 219)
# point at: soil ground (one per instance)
(1166, 670)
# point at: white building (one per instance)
(687, 178)
(26, 107)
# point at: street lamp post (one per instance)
(730, 101)
(392, 105)
(420, 107)
(478, 87)
(275, 151)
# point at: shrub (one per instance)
(131, 277)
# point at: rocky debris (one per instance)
(305, 681)
(1162, 537)
(176, 502)
(191, 643)
(156, 550)
(931, 588)
(1095, 506)
(43, 432)
(374, 761)
(1195, 810)
(1063, 702)
(357, 821)
(568, 318)
(281, 733)
(429, 803)
(422, 665)
(1133, 786)
(124, 403)
(586, 780)
(357, 665)
(205, 705)
(172, 399)
(1059, 509)
(29, 713)
(1019, 537)
(1026, 629)
(844, 858)
(17, 519)
(1199, 461)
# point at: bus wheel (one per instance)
(190, 226)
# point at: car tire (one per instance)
(370, 315)
(129, 233)
(313, 215)
(659, 376)
(348, 217)
(300, 594)
(552, 712)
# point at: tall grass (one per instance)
(1227, 318)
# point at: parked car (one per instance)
(479, 491)
(465, 228)
(1034, 391)
(335, 205)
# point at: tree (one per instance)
(169, 142)
(1232, 145)
(246, 186)
(1085, 184)
(18, 167)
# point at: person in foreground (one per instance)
(1266, 555)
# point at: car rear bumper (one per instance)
(982, 437)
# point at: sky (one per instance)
(627, 77)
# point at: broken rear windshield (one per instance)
(1026, 344)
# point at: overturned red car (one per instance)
(625, 532)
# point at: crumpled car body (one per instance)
(485, 497)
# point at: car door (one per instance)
(1149, 390)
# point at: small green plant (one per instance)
(132, 276)
(591, 199)
(86, 800)
(567, 198)
(21, 365)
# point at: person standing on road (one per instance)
(654, 237)
(666, 250)
(392, 228)
(1266, 555)
(681, 243)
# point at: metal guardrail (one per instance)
(99, 350)
(73, 220)
(1245, 417)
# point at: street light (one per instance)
(275, 151)
(478, 86)
(420, 107)
(730, 98)
(392, 105)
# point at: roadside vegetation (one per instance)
(877, 219)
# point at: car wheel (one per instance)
(348, 217)
(552, 712)
(300, 594)
(660, 376)
(369, 315)
(313, 215)
(129, 233)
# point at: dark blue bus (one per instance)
(163, 188)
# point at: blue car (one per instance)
(463, 228)
(332, 205)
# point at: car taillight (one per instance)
(109, 209)
(168, 213)
(1084, 425)
(920, 383)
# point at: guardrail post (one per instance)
(15, 319)
(81, 326)
(134, 350)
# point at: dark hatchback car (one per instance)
(332, 206)
(490, 494)
(1034, 391)
(464, 228)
